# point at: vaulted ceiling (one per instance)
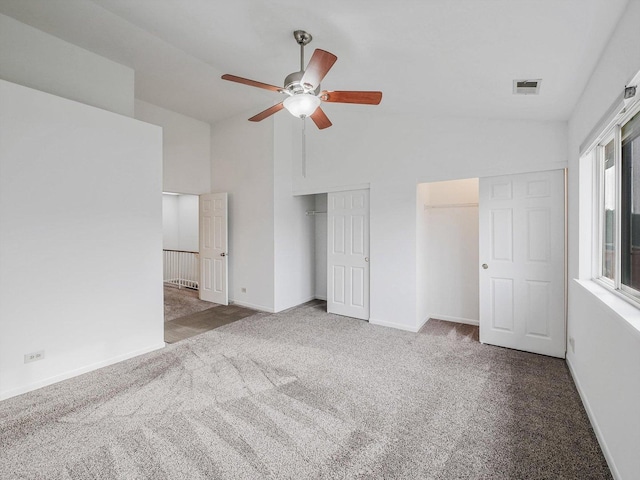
(434, 57)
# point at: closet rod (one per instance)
(451, 205)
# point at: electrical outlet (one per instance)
(243, 290)
(34, 357)
(572, 344)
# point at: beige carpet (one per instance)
(307, 395)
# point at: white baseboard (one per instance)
(319, 297)
(260, 308)
(449, 318)
(594, 424)
(302, 302)
(399, 326)
(78, 371)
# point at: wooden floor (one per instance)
(200, 322)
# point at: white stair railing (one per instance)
(181, 268)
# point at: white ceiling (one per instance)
(438, 57)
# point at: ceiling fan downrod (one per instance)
(302, 38)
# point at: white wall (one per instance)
(188, 218)
(38, 60)
(271, 239)
(451, 250)
(392, 153)
(80, 238)
(243, 166)
(294, 230)
(606, 361)
(321, 246)
(170, 226)
(180, 222)
(186, 146)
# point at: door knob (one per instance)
(223, 254)
(485, 266)
(366, 259)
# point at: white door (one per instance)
(522, 282)
(348, 253)
(213, 248)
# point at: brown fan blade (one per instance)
(267, 113)
(251, 83)
(320, 119)
(364, 98)
(320, 63)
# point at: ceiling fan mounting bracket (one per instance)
(302, 38)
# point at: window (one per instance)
(618, 155)
(630, 194)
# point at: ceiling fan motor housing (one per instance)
(293, 84)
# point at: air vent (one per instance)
(526, 87)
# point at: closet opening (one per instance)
(447, 251)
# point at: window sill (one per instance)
(627, 311)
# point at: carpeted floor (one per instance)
(307, 395)
(186, 316)
(200, 322)
(180, 302)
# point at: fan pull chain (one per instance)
(304, 147)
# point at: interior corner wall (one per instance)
(80, 238)
(242, 165)
(41, 61)
(392, 154)
(606, 360)
(294, 230)
(186, 146)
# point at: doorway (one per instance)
(342, 252)
(348, 253)
(180, 240)
(491, 253)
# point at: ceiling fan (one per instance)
(303, 88)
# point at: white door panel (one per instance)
(348, 254)
(522, 246)
(213, 248)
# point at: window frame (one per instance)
(613, 131)
(600, 159)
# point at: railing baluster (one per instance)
(181, 268)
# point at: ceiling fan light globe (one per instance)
(302, 105)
